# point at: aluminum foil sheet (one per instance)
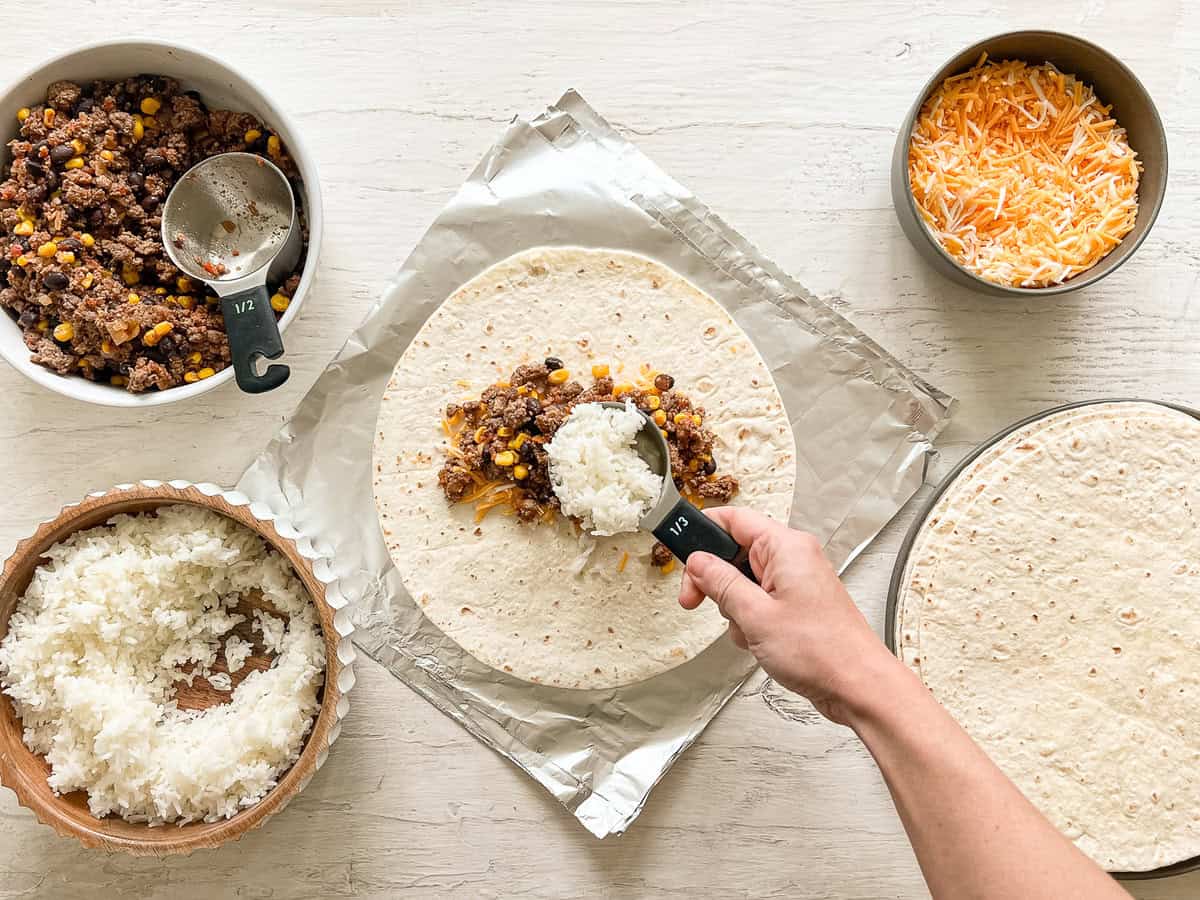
(864, 426)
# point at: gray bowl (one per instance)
(1114, 84)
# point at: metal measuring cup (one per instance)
(675, 521)
(231, 223)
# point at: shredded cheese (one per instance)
(1020, 173)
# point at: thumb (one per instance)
(734, 593)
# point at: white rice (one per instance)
(596, 472)
(237, 652)
(95, 647)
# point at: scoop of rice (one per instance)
(596, 472)
(96, 645)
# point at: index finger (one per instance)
(745, 525)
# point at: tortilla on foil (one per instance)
(506, 591)
(1050, 603)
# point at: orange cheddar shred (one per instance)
(1021, 174)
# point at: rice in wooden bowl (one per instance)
(262, 784)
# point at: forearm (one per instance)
(974, 833)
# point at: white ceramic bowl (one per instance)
(221, 87)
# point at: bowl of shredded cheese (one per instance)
(1032, 162)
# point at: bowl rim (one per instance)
(926, 506)
(113, 397)
(310, 568)
(1123, 251)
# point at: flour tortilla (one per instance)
(1053, 609)
(504, 591)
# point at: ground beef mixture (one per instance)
(82, 266)
(497, 455)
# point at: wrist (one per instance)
(874, 688)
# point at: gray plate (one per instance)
(893, 597)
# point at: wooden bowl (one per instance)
(25, 772)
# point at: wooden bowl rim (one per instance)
(339, 655)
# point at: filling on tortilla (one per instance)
(596, 471)
(497, 456)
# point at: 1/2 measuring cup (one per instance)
(231, 222)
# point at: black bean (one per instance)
(710, 467)
(55, 281)
(134, 180)
(70, 210)
(154, 159)
(35, 169)
(552, 363)
(61, 153)
(86, 105)
(37, 193)
(72, 244)
(96, 218)
(663, 381)
(52, 180)
(39, 147)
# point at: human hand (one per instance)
(798, 621)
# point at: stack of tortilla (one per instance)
(510, 593)
(1051, 601)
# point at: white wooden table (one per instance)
(779, 115)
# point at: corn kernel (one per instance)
(106, 347)
(664, 434)
(660, 417)
(47, 117)
(78, 146)
(191, 377)
(106, 155)
(64, 331)
(206, 372)
(87, 281)
(47, 249)
(150, 339)
(506, 458)
(680, 418)
(622, 388)
(273, 145)
(43, 325)
(149, 122)
(504, 431)
(157, 333)
(558, 376)
(130, 275)
(479, 433)
(150, 105)
(668, 567)
(654, 401)
(87, 240)
(22, 260)
(186, 301)
(24, 229)
(518, 442)
(693, 464)
(134, 299)
(194, 358)
(66, 257)
(520, 473)
(252, 135)
(600, 370)
(183, 283)
(22, 113)
(139, 128)
(24, 214)
(280, 303)
(696, 420)
(118, 381)
(161, 291)
(163, 328)
(75, 162)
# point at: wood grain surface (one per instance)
(781, 116)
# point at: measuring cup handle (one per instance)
(686, 529)
(253, 332)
